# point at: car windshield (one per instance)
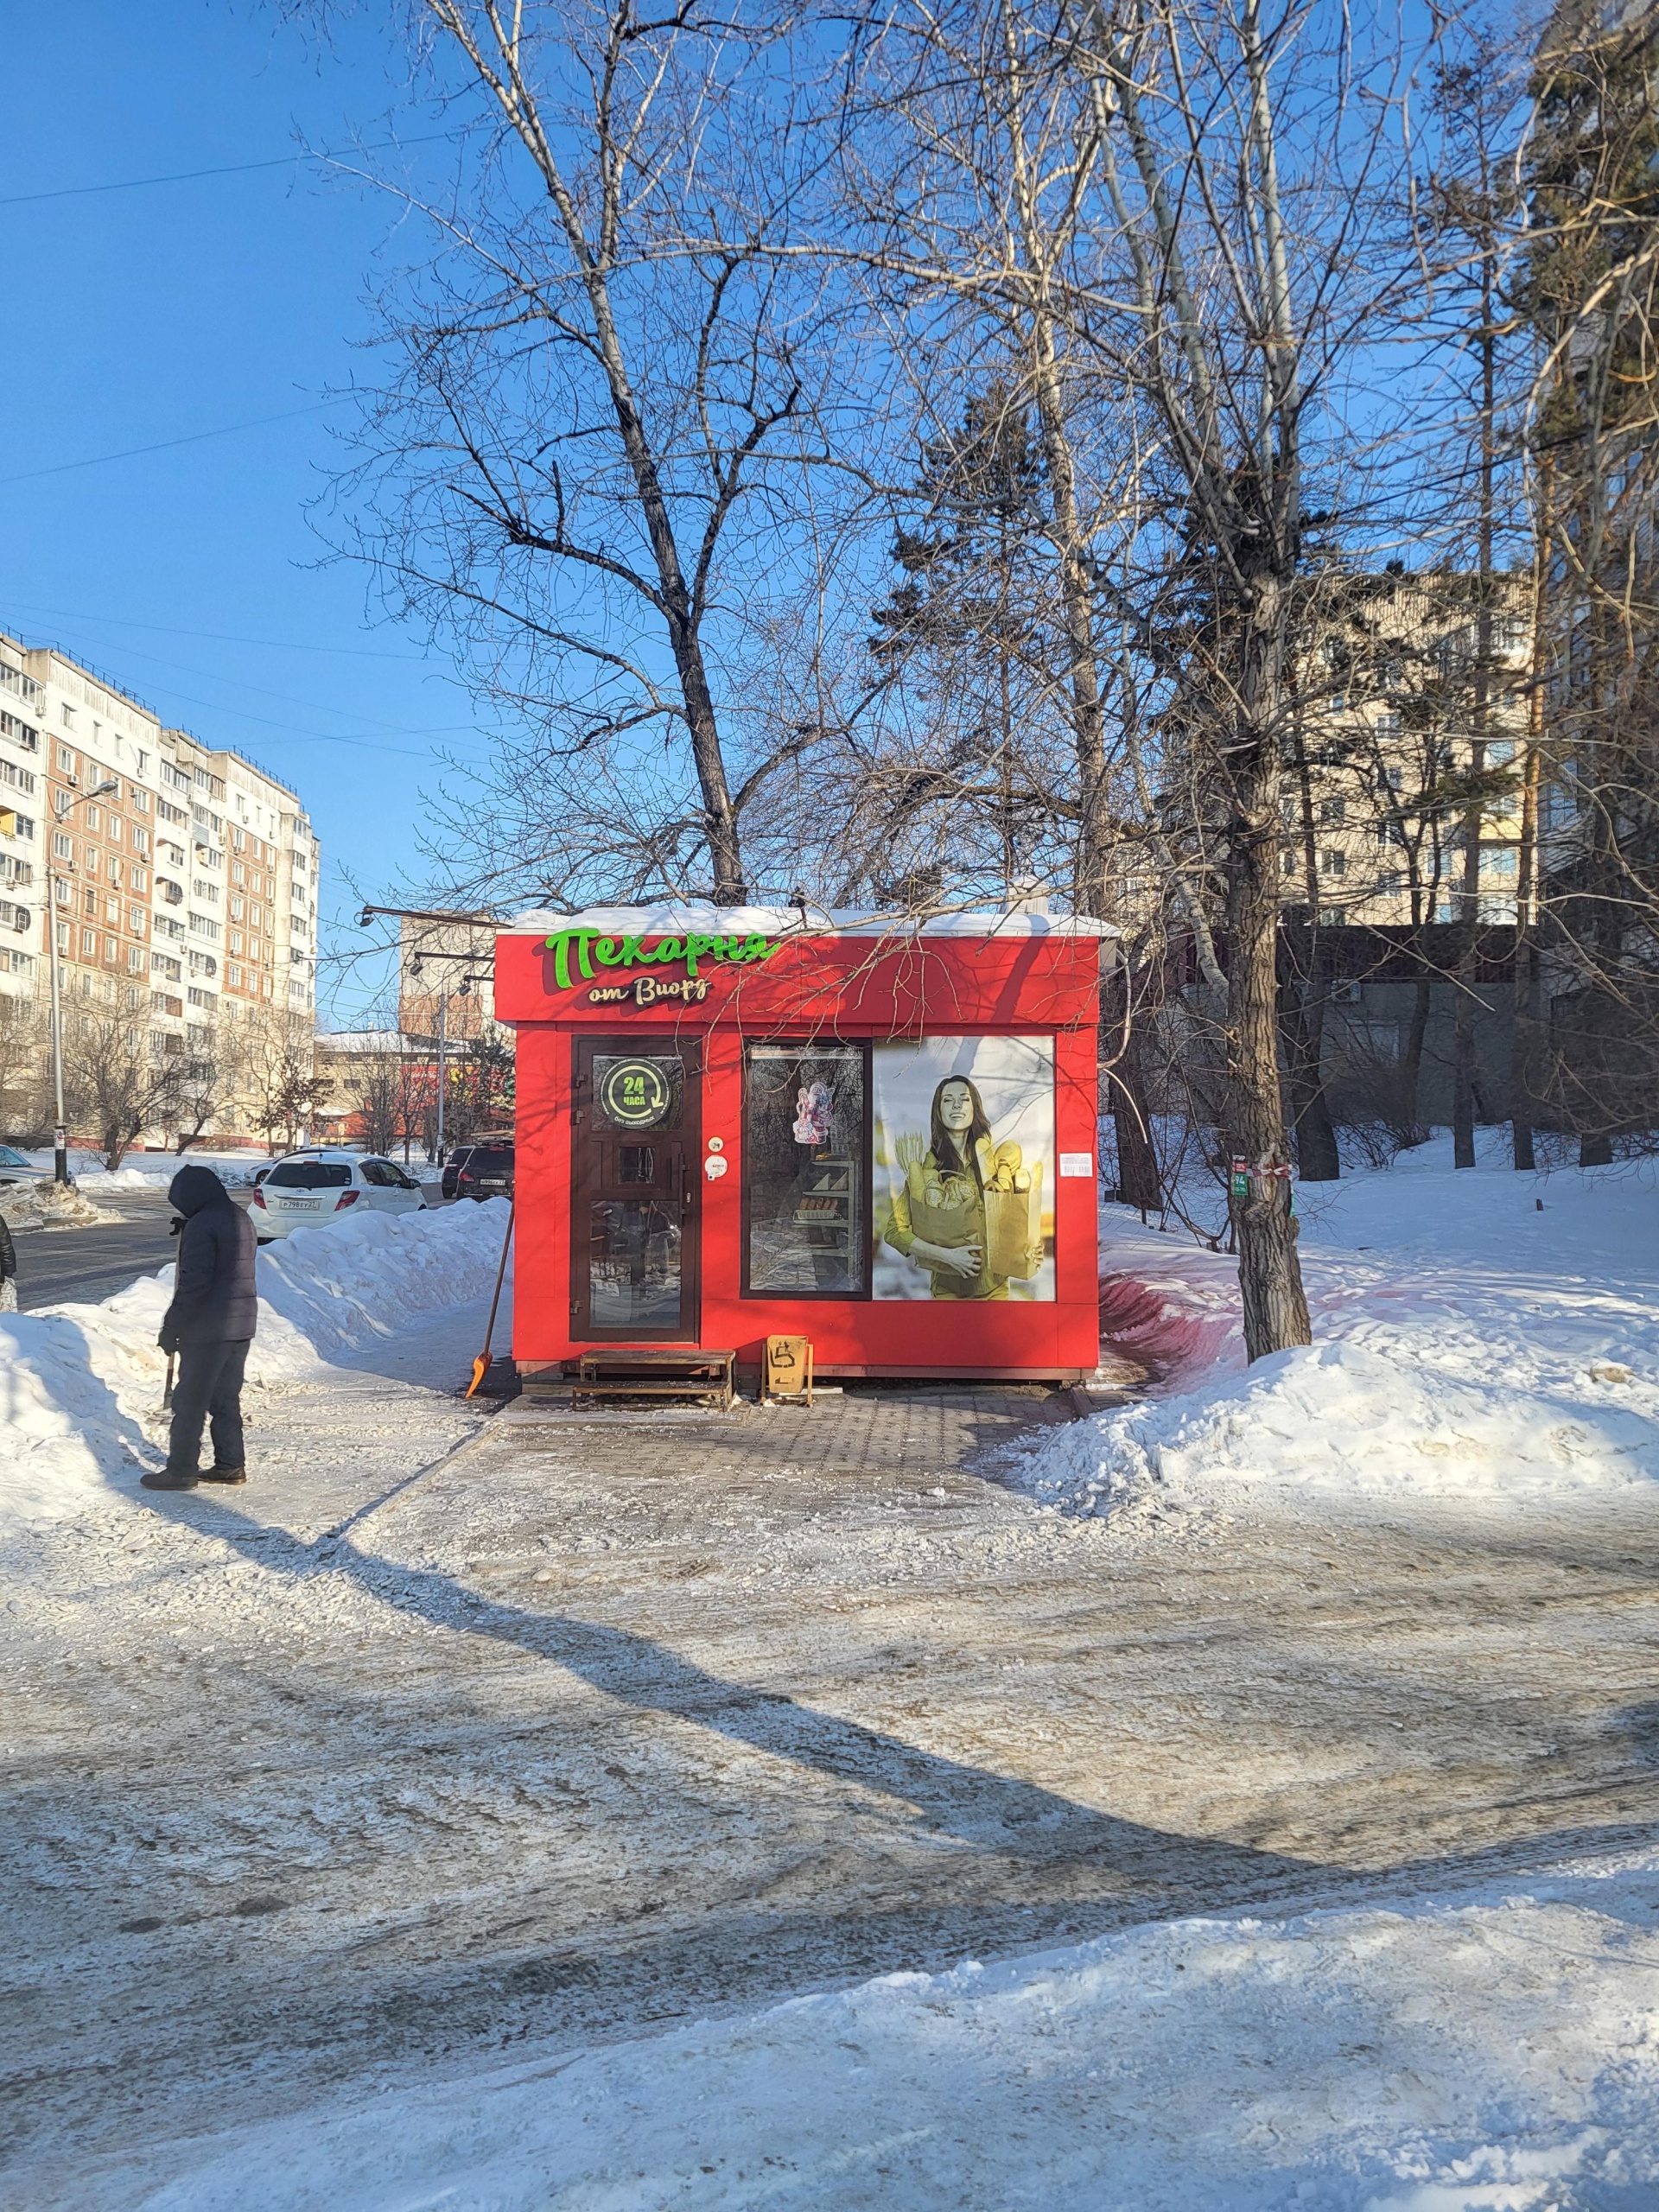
(489, 1159)
(308, 1175)
(10, 1159)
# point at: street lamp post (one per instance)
(60, 1136)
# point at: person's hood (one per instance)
(192, 1188)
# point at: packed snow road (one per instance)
(599, 1728)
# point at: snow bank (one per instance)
(78, 1383)
(1491, 2051)
(154, 1171)
(346, 1283)
(1474, 1331)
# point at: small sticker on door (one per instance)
(1076, 1166)
(715, 1166)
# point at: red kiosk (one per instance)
(735, 1124)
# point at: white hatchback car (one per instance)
(319, 1184)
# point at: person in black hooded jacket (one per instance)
(210, 1325)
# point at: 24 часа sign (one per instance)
(594, 955)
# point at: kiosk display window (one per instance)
(963, 1145)
(806, 1190)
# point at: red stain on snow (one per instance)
(1153, 1325)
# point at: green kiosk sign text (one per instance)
(595, 954)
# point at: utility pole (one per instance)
(460, 921)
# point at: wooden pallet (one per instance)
(621, 1374)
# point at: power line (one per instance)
(230, 168)
(165, 445)
(220, 636)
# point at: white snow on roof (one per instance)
(703, 917)
(359, 1040)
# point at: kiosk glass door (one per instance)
(634, 1219)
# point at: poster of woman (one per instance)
(965, 1145)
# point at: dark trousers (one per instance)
(209, 1386)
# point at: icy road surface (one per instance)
(331, 1788)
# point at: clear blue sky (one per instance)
(133, 316)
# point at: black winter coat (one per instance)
(215, 1299)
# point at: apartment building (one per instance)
(241, 889)
(22, 712)
(446, 975)
(181, 877)
(1403, 761)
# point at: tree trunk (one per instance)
(1411, 1062)
(1138, 1183)
(1269, 1271)
(1078, 600)
(1301, 1021)
(1462, 1071)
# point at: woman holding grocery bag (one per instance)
(968, 1209)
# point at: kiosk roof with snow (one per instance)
(874, 1133)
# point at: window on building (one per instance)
(117, 869)
(68, 715)
(94, 817)
(89, 944)
(140, 877)
(111, 949)
(804, 1149)
(1333, 862)
(63, 848)
(1499, 859)
(1332, 810)
(135, 960)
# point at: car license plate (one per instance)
(304, 1205)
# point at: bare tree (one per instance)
(603, 400)
(279, 1072)
(119, 1079)
(25, 1070)
(384, 1106)
(1592, 290)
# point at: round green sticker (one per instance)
(634, 1094)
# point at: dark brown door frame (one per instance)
(584, 1136)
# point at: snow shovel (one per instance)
(481, 1364)
(167, 1387)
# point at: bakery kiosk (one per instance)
(738, 1124)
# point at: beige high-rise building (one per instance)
(181, 877)
(1404, 761)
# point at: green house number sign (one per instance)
(634, 1094)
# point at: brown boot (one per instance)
(224, 1474)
